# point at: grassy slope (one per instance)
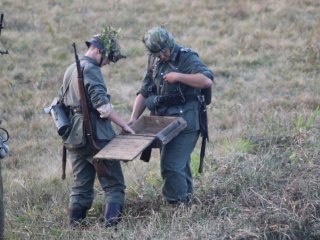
(261, 175)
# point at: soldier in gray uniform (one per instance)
(103, 48)
(174, 78)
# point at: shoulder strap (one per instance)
(151, 63)
(65, 91)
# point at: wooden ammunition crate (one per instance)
(149, 130)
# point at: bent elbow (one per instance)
(208, 83)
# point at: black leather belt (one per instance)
(190, 98)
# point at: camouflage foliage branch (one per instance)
(108, 37)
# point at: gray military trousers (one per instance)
(82, 192)
(175, 167)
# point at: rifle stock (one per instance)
(98, 164)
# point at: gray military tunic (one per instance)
(176, 155)
(82, 192)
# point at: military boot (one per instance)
(112, 214)
(76, 214)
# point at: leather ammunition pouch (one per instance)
(76, 137)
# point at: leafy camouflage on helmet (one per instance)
(158, 39)
(107, 40)
(109, 37)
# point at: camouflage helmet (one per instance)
(107, 41)
(158, 39)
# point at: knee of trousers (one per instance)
(175, 186)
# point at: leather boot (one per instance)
(112, 214)
(76, 214)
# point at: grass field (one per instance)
(261, 176)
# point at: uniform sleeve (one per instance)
(192, 64)
(105, 110)
(96, 87)
(146, 84)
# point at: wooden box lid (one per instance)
(126, 147)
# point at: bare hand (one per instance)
(171, 77)
(132, 121)
(128, 129)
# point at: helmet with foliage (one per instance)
(107, 41)
(158, 39)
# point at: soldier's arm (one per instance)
(114, 117)
(138, 107)
(197, 80)
(193, 72)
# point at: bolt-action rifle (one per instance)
(98, 164)
(1, 27)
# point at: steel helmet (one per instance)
(107, 41)
(158, 39)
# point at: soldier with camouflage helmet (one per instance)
(103, 48)
(171, 86)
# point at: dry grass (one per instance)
(261, 178)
